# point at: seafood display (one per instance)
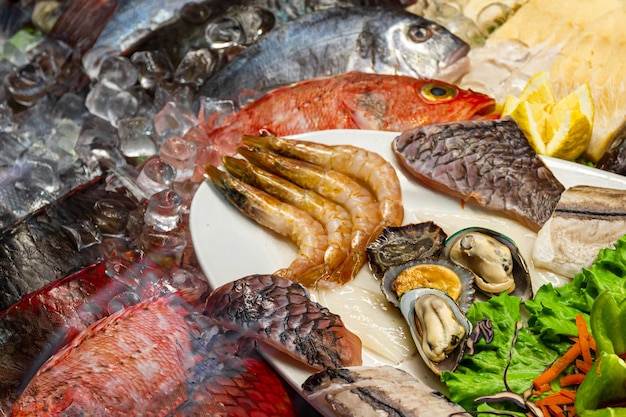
(585, 220)
(375, 40)
(191, 358)
(42, 322)
(130, 105)
(281, 314)
(486, 162)
(375, 391)
(343, 102)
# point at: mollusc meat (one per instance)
(375, 392)
(489, 162)
(494, 259)
(281, 313)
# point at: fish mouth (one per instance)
(455, 65)
(484, 111)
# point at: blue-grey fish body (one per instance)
(338, 40)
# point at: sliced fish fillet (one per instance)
(585, 220)
(489, 162)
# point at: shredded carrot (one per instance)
(556, 410)
(555, 399)
(583, 336)
(572, 379)
(569, 394)
(544, 410)
(583, 366)
(558, 366)
(542, 389)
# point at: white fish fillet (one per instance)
(377, 392)
(585, 220)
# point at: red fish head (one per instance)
(450, 102)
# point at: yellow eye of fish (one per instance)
(419, 33)
(438, 92)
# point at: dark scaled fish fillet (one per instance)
(377, 392)
(489, 162)
(280, 313)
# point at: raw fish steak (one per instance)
(280, 313)
(489, 162)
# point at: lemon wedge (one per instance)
(561, 129)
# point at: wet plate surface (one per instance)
(230, 246)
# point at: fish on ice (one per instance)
(339, 40)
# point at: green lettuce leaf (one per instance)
(553, 310)
(551, 322)
(482, 373)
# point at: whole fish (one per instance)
(353, 100)
(158, 357)
(338, 40)
(280, 313)
(376, 391)
(488, 162)
(42, 322)
(75, 231)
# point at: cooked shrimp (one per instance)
(335, 186)
(286, 220)
(333, 216)
(369, 167)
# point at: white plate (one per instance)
(230, 246)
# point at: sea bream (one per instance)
(354, 100)
(338, 40)
(488, 162)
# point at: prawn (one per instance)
(284, 219)
(335, 186)
(367, 166)
(333, 216)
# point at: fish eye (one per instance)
(419, 33)
(438, 92)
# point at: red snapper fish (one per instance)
(353, 100)
(156, 358)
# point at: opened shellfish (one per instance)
(401, 244)
(438, 327)
(435, 273)
(494, 259)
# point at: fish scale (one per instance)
(165, 359)
(489, 162)
(282, 312)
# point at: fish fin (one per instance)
(367, 109)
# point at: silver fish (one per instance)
(338, 40)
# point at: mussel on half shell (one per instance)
(494, 259)
(438, 327)
(400, 244)
(435, 273)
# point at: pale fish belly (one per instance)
(585, 220)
